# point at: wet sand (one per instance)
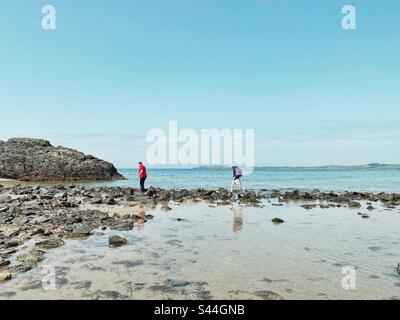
(195, 251)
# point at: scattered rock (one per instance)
(82, 230)
(11, 243)
(166, 207)
(55, 211)
(19, 268)
(177, 283)
(41, 219)
(33, 257)
(85, 284)
(354, 205)
(268, 295)
(4, 263)
(122, 226)
(116, 241)
(277, 221)
(129, 263)
(5, 276)
(308, 206)
(49, 244)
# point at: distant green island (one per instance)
(362, 166)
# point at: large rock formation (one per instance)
(37, 160)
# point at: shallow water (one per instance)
(228, 252)
(325, 179)
(281, 178)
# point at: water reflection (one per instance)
(140, 220)
(237, 218)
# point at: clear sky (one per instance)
(112, 70)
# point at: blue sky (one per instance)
(314, 93)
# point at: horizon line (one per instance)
(367, 165)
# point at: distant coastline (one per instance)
(362, 166)
(225, 167)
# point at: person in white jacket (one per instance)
(237, 174)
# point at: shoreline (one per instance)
(103, 185)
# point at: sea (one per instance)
(336, 179)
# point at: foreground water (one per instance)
(325, 179)
(228, 252)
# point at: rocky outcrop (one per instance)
(37, 160)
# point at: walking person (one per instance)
(142, 175)
(237, 174)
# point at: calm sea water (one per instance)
(325, 179)
(226, 252)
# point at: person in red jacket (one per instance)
(142, 175)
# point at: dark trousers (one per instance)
(142, 180)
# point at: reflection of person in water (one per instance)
(237, 218)
(140, 220)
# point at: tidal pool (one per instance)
(227, 252)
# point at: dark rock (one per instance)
(37, 160)
(32, 285)
(49, 244)
(122, 226)
(97, 200)
(19, 268)
(7, 253)
(4, 209)
(354, 205)
(177, 283)
(308, 206)
(109, 201)
(85, 284)
(275, 194)
(268, 295)
(82, 230)
(5, 199)
(129, 263)
(31, 258)
(166, 207)
(11, 243)
(41, 219)
(116, 241)
(277, 221)
(386, 197)
(4, 263)
(38, 231)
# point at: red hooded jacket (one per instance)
(142, 169)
